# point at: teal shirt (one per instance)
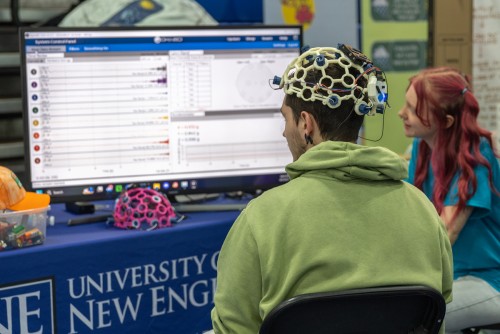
(345, 220)
(476, 252)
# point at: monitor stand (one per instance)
(193, 198)
(207, 202)
(209, 207)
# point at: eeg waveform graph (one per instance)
(100, 117)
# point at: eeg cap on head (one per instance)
(326, 89)
(14, 197)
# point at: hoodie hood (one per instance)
(348, 161)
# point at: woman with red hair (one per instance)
(453, 162)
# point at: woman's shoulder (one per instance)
(486, 149)
(489, 153)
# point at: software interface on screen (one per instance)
(174, 109)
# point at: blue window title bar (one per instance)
(166, 43)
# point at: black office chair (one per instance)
(473, 330)
(380, 310)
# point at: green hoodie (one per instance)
(345, 220)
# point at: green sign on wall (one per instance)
(399, 10)
(400, 55)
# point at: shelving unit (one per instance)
(11, 129)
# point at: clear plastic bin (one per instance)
(20, 229)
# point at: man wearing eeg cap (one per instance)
(345, 219)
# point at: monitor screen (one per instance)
(183, 110)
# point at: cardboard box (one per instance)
(450, 34)
(20, 229)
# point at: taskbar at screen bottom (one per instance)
(170, 187)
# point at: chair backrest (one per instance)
(387, 310)
(477, 329)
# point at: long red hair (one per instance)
(443, 91)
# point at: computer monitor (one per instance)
(180, 109)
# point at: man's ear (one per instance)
(449, 121)
(308, 122)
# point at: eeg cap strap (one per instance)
(294, 82)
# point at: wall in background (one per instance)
(394, 36)
(326, 22)
(485, 63)
(234, 11)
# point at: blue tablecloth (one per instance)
(100, 279)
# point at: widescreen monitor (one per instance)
(182, 110)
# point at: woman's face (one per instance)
(413, 126)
